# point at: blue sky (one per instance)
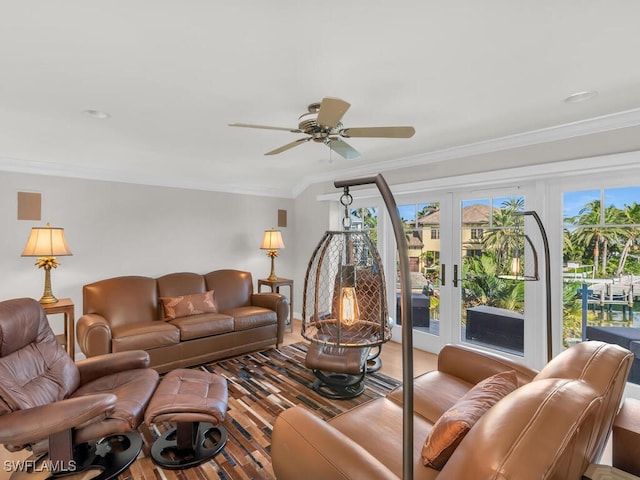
(619, 197)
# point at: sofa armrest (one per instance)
(94, 334)
(276, 302)
(473, 365)
(302, 442)
(110, 363)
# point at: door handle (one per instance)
(443, 274)
(455, 275)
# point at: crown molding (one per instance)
(9, 164)
(626, 162)
(614, 121)
(628, 118)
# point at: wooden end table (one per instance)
(626, 437)
(275, 285)
(66, 307)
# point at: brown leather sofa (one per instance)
(552, 426)
(127, 313)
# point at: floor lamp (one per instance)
(406, 314)
(547, 275)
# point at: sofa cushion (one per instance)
(450, 389)
(203, 325)
(376, 425)
(454, 424)
(185, 305)
(144, 336)
(245, 318)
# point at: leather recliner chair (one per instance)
(75, 416)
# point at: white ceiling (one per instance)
(173, 73)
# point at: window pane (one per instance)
(581, 207)
(601, 268)
(422, 229)
(492, 307)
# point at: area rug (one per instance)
(261, 385)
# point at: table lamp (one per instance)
(47, 243)
(272, 242)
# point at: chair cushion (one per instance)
(453, 425)
(133, 388)
(348, 360)
(34, 369)
(185, 305)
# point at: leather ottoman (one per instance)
(339, 371)
(197, 402)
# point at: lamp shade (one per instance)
(344, 293)
(46, 242)
(272, 240)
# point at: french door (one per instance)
(488, 298)
(427, 226)
(457, 295)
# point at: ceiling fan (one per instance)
(322, 124)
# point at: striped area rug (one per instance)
(261, 385)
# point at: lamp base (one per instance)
(48, 299)
(272, 276)
(47, 295)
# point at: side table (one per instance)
(275, 285)
(626, 437)
(66, 307)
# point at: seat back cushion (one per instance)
(605, 368)
(540, 431)
(231, 288)
(34, 368)
(178, 285)
(122, 300)
(455, 423)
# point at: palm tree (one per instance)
(482, 286)
(590, 230)
(504, 223)
(631, 214)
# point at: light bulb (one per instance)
(515, 265)
(349, 311)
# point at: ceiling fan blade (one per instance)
(288, 146)
(343, 148)
(331, 111)
(382, 132)
(266, 127)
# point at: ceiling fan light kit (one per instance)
(322, 124)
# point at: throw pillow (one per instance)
(186, 305)
(453, 425)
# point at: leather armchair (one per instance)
(69, 414)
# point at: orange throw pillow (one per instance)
(453, 425)
(186, 305)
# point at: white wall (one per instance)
(123, 229)
(311, 220)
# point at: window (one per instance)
(435, 234)
(601, 266)
(476, 233)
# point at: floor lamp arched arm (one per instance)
(547, 277)
(405, 313)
